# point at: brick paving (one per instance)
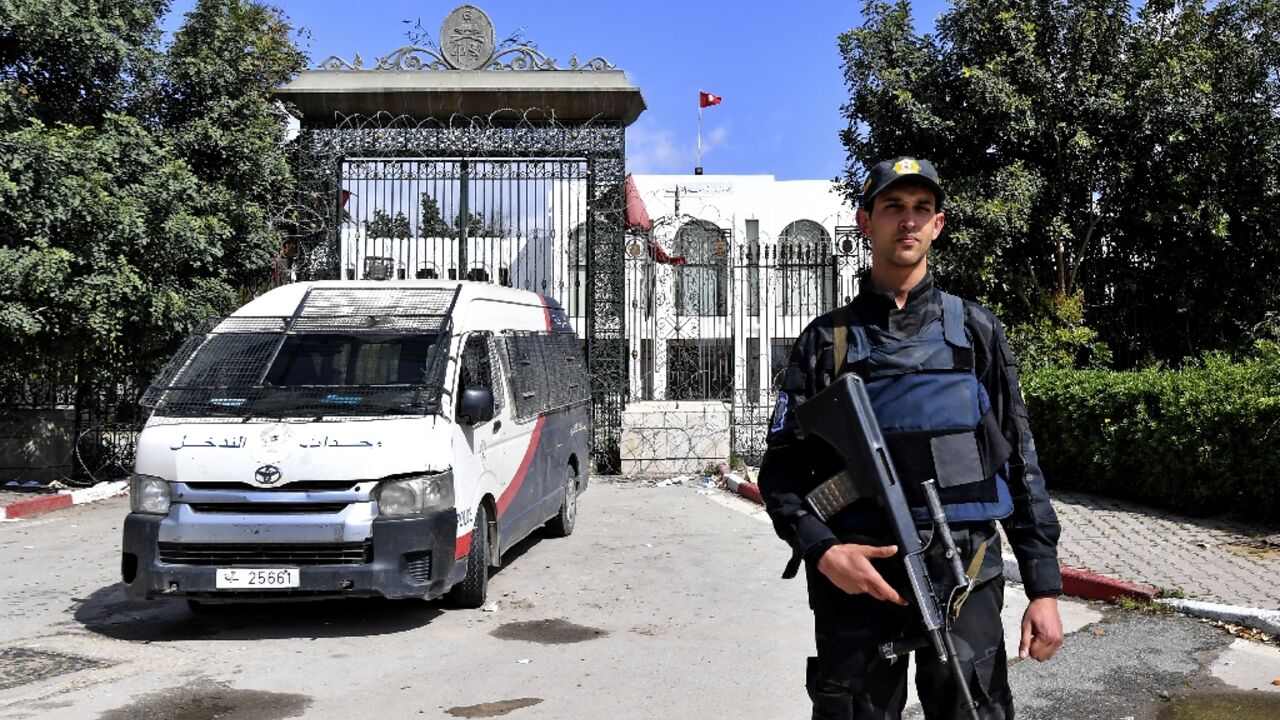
(1208, 559)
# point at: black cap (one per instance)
(888, 172)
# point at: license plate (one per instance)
(256, 578)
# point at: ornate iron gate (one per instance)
(517, 222)
(497, 165)
(532, 204)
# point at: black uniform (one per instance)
(847, 679)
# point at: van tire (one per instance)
(562, 524)
(474, 588)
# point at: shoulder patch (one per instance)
(779, 412)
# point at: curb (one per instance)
(64, 499)
(1089, 585)
(1267, 621)
(1092, 586)
(36, 505)
(1075, 582)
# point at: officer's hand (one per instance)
(849, 567)
(1041, 629)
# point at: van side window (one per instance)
(528, 374)
(566, 373)
(498, 373)
(474, 369)
(547, 372)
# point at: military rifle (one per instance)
(842, 415)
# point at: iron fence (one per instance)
(716, 316)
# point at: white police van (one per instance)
(343, 439)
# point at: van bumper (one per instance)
(402, 558)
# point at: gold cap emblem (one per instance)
(906, 166)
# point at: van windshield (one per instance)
(314, 374)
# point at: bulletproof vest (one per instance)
(935, 416)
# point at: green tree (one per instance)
(383, 225)
(66, 62)
(218, 113)
(133, 202)
(1088, 153)
(476, 226)
(430, 222)
(1194, 261)
(1017, 102)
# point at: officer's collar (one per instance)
(922, 289)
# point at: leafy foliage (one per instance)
(383, 225)
(61, 62)
(1058, 337)
(1088, 152)
(1199, 439)
(136, 196)
(430, 221)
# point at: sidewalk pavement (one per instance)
(1213, 561)
(1224, 570)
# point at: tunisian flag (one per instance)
(706, 99)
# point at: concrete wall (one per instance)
(664, 438)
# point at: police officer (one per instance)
(944, 386)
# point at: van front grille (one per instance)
(269, 508)
(245, 554)
(298, 486)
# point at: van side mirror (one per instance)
(476, 406)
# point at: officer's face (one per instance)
(902, 224)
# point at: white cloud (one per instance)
(714, 139)
(651, 150)
(655, 150)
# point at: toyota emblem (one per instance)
(267, 475)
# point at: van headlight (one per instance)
(415, 495)
(149, 494)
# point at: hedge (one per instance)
(1202, 440)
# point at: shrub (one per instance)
(1201, 439)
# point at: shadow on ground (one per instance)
(108, 612)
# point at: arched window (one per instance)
(805, 274)
(702, 283)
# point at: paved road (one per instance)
(665, 603)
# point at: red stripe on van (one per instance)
(546, 310)
(462, 546)
(510, 493)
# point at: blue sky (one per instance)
(774, 63)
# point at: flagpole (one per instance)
(697, 170)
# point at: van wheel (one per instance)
(471, 592)
(562, 524)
